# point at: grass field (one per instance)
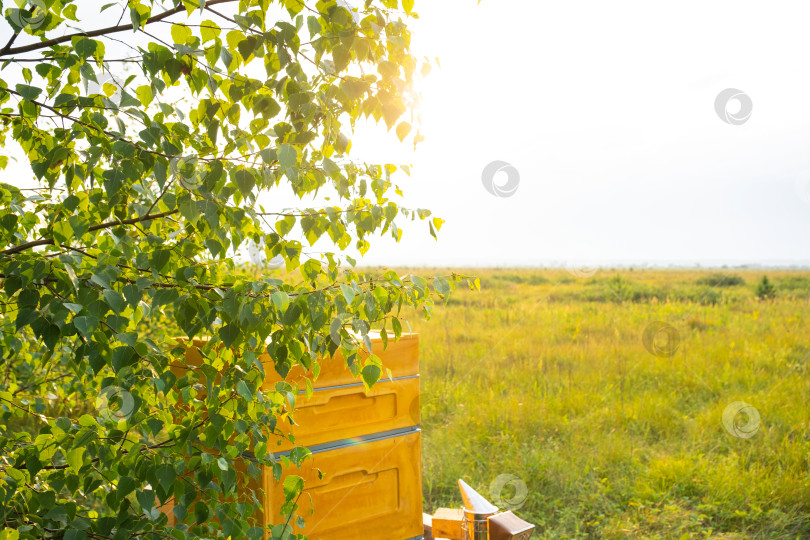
(544, 376)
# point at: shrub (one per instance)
(619, 289)
(721, 280)
(530, 279)
(765, 289)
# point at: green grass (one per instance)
(544, 376)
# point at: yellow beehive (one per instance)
(367, 444)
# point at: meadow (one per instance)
(544, 376)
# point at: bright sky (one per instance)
(606, 111)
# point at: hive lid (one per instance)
(401, 358)
(473, 501)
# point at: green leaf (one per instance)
(280, 299)
(57, 513)
(313, 25)
(166, 476)
(228, 334)
(83, 437)
(384, 338)
(115, 299)
(287, 156)
(441, 285)
(311, 269)
(403, 128)
(86, 325)
(371, 374)
(160, 258)
(25, 317)
(74, 308)
(146, 498)
(285, 225)
(155, 425)
(209, 30)
(80, 524)
(330, 167)
(189, 210)
(28, 92)
(126, 485)
(84, 47)
(348, 293)
(291, 315)
(122, 357)
(201, 512)
(181, 34)
(144, 94)
(74, 458)
(132, 294)
(293, 485)
(9, 534)
(243, 390)
(245, 181)
(341, 55)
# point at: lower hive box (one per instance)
(371, 488)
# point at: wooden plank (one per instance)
(447, 523)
